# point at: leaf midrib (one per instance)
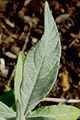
(37, 74)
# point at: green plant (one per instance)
(35, 76)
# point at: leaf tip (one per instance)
(46, 5)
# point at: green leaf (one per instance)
(6, 112)
(18, 76)
(11, 119)
(17, 85)
(55, 112)
(2, 118)
(41, 65)
(7, 98)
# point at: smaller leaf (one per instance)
(11, 119)
(2, 118)
(7, 98)
(56, 112)
(6, 112)
(18, 75)
(17, 86)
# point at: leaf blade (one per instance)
(18, 76)
(56, 112)
(6, 112)
(17, 85)
(40, 70)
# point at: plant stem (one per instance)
(26, 41)
(61, 100)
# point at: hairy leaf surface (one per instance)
(2, 118)
(6, 112)
(18, 76)
(41, 65)
(59, 112)
(17, 85)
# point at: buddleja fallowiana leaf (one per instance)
(17, 85)
(6, 112)
(2, 118)
(55, 112)
(18, 76)
(41, 65)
